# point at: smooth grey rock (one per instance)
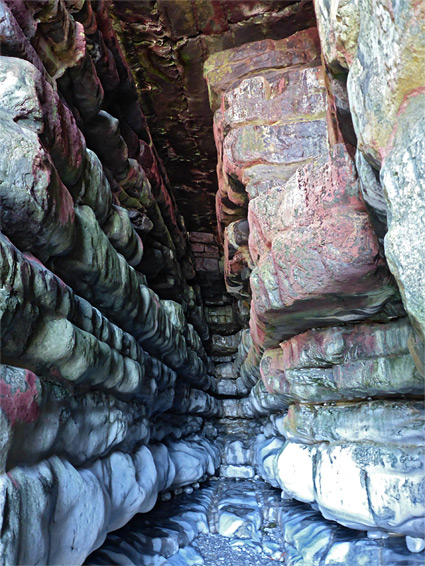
(415, 544)
(310, 539)
(193, 457)
(38, 214)
(175, 313)
(96, 190)
(245, 344)
(24, 276)
(402, 175)
(155, 538)
(266, 452)
(264, 403)
(40, 420)
(122, 235)
(70, 510)
(390, 422)
(62, 350)
(386, 483)
(190, 401)
(186, 556)
(175, 426)
(33, 104)
(103, 277)
(373, 194)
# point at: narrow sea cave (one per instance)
(212, 282)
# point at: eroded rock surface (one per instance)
(281, 337)
(318, 212)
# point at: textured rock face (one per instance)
(167, 44)
(282, 337)
(402, 177)
(382, 47)
(323, 338)
(352, 362)
(105, 388)
(314, 267)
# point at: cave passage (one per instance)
(212, 282)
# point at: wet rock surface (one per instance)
(162, 325)
(245, 523)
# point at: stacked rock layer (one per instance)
(339, 364)
(284, 338)
(106, 388)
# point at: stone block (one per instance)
(227, 387)
(390, 422)
(237, 471)
(312, 261)
(286, 95)
(223, 345)
(381, 478)
(226, 68)
(351, 362)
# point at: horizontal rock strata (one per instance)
(339, 394)
(174, 310)
(106, 386)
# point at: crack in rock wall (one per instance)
(282, 337)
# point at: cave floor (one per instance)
(244, 523)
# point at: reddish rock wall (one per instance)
(286, 163)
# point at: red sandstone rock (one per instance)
(321, 348)
(318, 261)
(268, 125)
(348, 362)
(226, 69)
(275, 96)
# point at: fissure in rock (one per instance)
(212, 282)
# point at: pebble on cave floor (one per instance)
(219, 550)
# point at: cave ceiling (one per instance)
(166, 43)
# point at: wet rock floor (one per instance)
(218, 550)
(244, 523)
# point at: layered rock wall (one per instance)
(285, 338)
(100, 347)
(339, 364)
